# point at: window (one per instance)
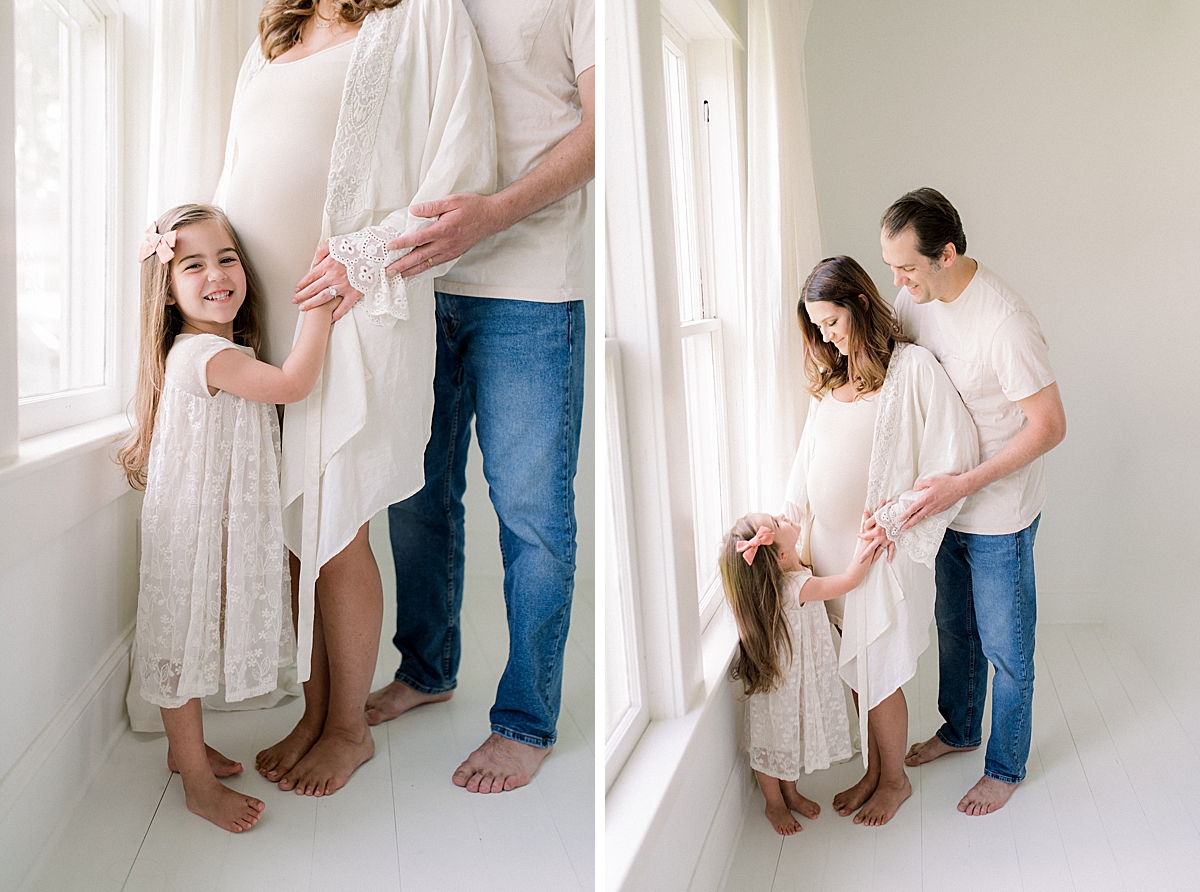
(63, 117)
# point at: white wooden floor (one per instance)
(400, 823)
(1111, 800)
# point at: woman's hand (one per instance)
(874, 535)
(313, 289)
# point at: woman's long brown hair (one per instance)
(280, 22)
(873, 333)
(755, 592)
(159, 324)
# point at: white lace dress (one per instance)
(214, 605)
(802, 723)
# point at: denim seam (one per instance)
(530, 739)
(447, 502)
(405, 679)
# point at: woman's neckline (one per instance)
(319, 52)
(856, 399)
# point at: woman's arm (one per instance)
(235, 372)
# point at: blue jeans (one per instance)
(986, 612)
(517, 368)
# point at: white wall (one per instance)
(1066, 134)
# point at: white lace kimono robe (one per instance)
(415, 125)
(922, 428)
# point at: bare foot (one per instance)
(849, 801)
(220, 765)
(933, 748)
(781, 819)
(796, 801)
(985, 797)
(226, 808)
(499, 764)
(328, 765)
(882, 805)
(276, 761)
(396, 699)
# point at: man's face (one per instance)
(924, 279)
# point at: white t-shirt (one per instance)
(535, 51)
(993, 349)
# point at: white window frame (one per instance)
(39, 415)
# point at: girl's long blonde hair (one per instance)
(161, 322)
(280, 21)
(873, 333)
(755, 592)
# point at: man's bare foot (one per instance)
(933, 748)
(277, 760)
(782, 820)
(796, 801)
(396, 699)
(849, 801)
(220, 765)
(985, 797)
(226, 808)
(882, 805)
(499, 764)
(328, 765)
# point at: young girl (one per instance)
(215, 601)
(796, 713)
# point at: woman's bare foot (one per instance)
(882, 805)
(328, 765)
(796, 801)
(226, 808)
(396, 699)
(933, 748)
(499, 764)
(986, 796)
(220, 765)
(276, 761)
(849, 801)
(782, 820)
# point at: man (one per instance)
(510, 354)
(991, 346)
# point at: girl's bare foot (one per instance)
(882, 805)
(226, 808)
(782, 820)
(498, 765)
(933, 748)
(986, 796)
(328, 765)
(849, 801)
(276, 761)
(220, 765)
(796, 801)
(396, 699)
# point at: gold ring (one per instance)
(429, 260)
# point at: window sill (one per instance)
(58, 480)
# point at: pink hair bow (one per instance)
(155, 243)
(748, 548)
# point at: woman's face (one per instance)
(832, 321)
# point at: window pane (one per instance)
(683, 194)
(704, 394)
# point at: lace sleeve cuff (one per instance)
(922, 541)
(366, 257)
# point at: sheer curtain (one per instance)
(198, 50)
(783, 238)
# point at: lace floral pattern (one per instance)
(801, 724)
(365, 256)
(215, 601)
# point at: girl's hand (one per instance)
(860, 564)
(326, 273)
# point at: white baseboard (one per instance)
(40, 791)
(720, 845)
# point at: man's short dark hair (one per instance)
(932, 217)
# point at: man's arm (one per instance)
(467, 218)
(1046, 428)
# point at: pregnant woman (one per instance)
(346, 113)
(884, 415)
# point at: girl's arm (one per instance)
(235, 372)
(824, 588)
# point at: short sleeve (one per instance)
(1021, 357)
(583, 35)
(796, 580)
(187, 363)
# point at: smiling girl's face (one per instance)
(208, 281)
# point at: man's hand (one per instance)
(464, 220)
(940, 492)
